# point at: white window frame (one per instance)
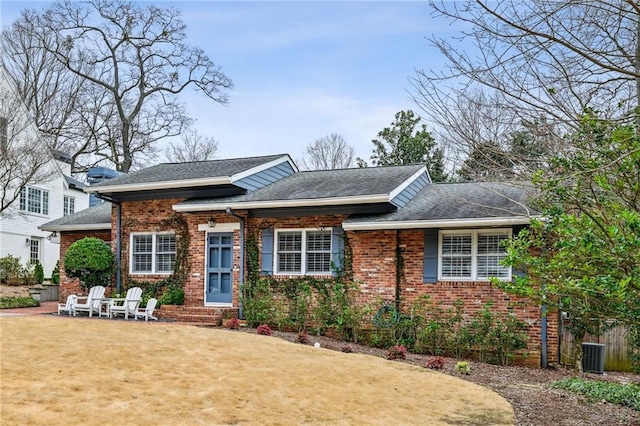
(34, 243)
(474, 252)
(43, 200)
(154, 254)
(68, 205)
(303, 261)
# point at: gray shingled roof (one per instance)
(193, 170)
(324, 184)
(450, 201)
(84, 219)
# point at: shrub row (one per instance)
(324, 305)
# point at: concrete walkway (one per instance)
(44, 308)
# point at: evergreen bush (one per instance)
(91, 260)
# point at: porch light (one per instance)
(211, 222)
(28, 241)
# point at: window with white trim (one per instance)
(303, 252)
(34, 200)
(473, 254)
(153, 253)
(69, 205)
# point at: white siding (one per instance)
(15, 226)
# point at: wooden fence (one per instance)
(615, 341)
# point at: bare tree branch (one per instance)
(326, 153)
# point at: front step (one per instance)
(196, 314)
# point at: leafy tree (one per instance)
(91, 260)
(327, 153)
(585, 256)
(403, 144)
(132, 62)
(194, 146)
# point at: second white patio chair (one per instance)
(129, 303)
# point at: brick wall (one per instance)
(70, 285)
(374, 268)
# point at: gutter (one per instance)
(302, 202)
(441, 223)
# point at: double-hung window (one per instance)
(303, 252)
(473, 254)
(34, 200)
(69, 205)
(153, 253)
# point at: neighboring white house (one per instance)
(51, 194)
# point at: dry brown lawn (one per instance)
(58, 370)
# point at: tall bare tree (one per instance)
(24, 159)
(134, 58)
(549, 58)
(194, 146)
(52, 95)
(328, 152)
(539, 65)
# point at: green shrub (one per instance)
(18, 302)
(463, 367)
(596, 390)
(55, 274)
(173, 296)
(91, 260)
(11, 270)
(38, 273)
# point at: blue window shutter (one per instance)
(267, 252)
(337, 248)
(430, 269)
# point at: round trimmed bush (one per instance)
(91, 260)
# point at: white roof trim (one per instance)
(442, 223)
(76, 227)
(408, 182)
(262, 167)
(166, 184)
(305, 202)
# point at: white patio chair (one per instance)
(147, 312)
(67, 307)
(129, 305)
(92, 301)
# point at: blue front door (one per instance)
(219, 267)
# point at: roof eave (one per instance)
(273, 204)
(76, 227)
(172, 184)
(441, 223)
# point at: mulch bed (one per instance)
(527, 389)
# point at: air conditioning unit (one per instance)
(593, 358)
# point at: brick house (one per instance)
(448, 235)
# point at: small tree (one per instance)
(91, 260)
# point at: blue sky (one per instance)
(303, 69)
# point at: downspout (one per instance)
(241, 279)
(399, 270)
(118, 237)
(118, 246)
(543, 336)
